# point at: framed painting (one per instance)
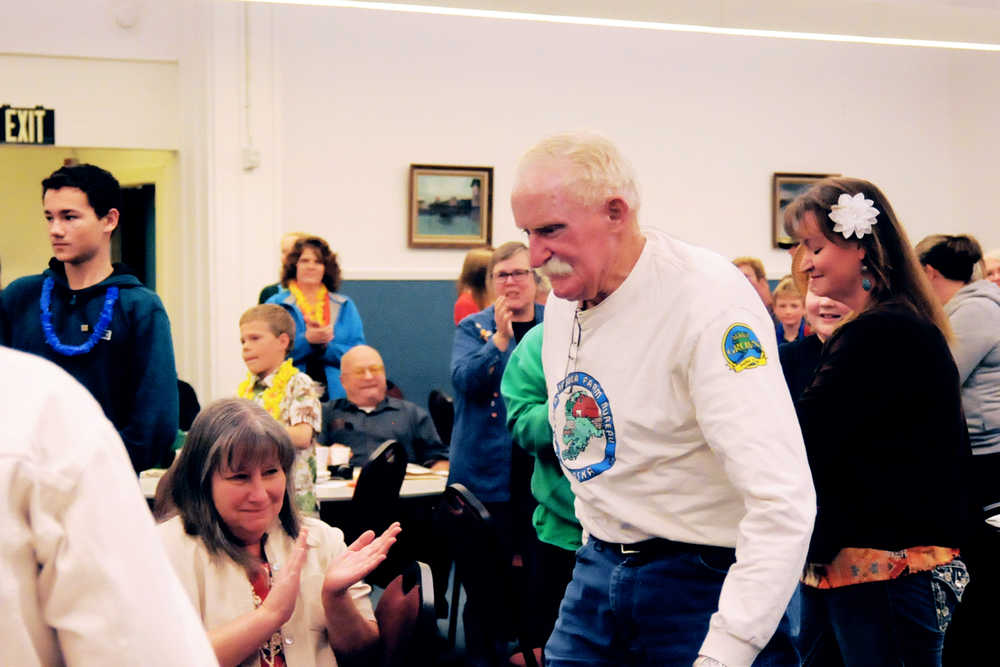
(450, 206)
(786, 187)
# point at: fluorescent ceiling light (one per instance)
(639, 25)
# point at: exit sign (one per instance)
(27, 126)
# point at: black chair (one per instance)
(375, 503)
(406, 620)
(187, 401)
(482, 567)
(442, 410)
(392, 389)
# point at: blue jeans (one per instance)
(626, 610)
(897, 622)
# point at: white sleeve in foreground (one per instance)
(105, 584)
(748, 420)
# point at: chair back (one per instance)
(472, 539)
(375, 503)
(481, 565)
(406, 619)
(392, 389)
(442, 410)
(376, 492)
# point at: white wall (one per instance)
(98, 102)
(342, 101)
(118, 87)
(975, 99)
(706, 120)
(90, 28)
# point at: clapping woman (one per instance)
(271, 588)
(327, 324)
(883, 427)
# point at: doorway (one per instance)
(134, 242)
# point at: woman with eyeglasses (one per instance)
(885, 435)
(481, 448)
(327, 324)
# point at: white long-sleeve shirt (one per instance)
(672, 419)
(84, 579)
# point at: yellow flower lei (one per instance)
(315, 312)
(273, 396)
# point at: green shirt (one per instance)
(524, 391)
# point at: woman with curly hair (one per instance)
(327, 324)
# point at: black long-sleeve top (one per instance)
(886, 438)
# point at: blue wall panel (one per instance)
(410, 323)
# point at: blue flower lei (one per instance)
(102, 322)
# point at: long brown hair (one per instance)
(228, 432)
(891, 261)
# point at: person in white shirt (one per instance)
(85, 580)
(673, 423)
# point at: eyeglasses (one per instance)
(516, 274)
(374, 369)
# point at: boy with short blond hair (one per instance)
(789, 311)
(266, 334)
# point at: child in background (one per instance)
(290, 396)
(789, 308)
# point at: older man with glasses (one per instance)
(481, 448)
(367, 417)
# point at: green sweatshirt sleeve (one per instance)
(524, 392)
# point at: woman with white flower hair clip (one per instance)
(885, 434)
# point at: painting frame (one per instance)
(458, 216)
(785, 186)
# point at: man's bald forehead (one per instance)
(358, 353)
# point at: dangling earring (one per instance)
(866, 284)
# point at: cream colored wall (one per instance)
(341, 100)
(706, 120)
(24, 245)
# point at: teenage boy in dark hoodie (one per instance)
(95, 320)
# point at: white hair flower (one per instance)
(853, 215)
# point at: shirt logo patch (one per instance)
(742, 349)
(583, 428)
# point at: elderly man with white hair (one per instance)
(673, 423)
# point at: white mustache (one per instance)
(555, 267)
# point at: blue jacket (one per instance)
(131, 374)
(347, 332)
(480, 444)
